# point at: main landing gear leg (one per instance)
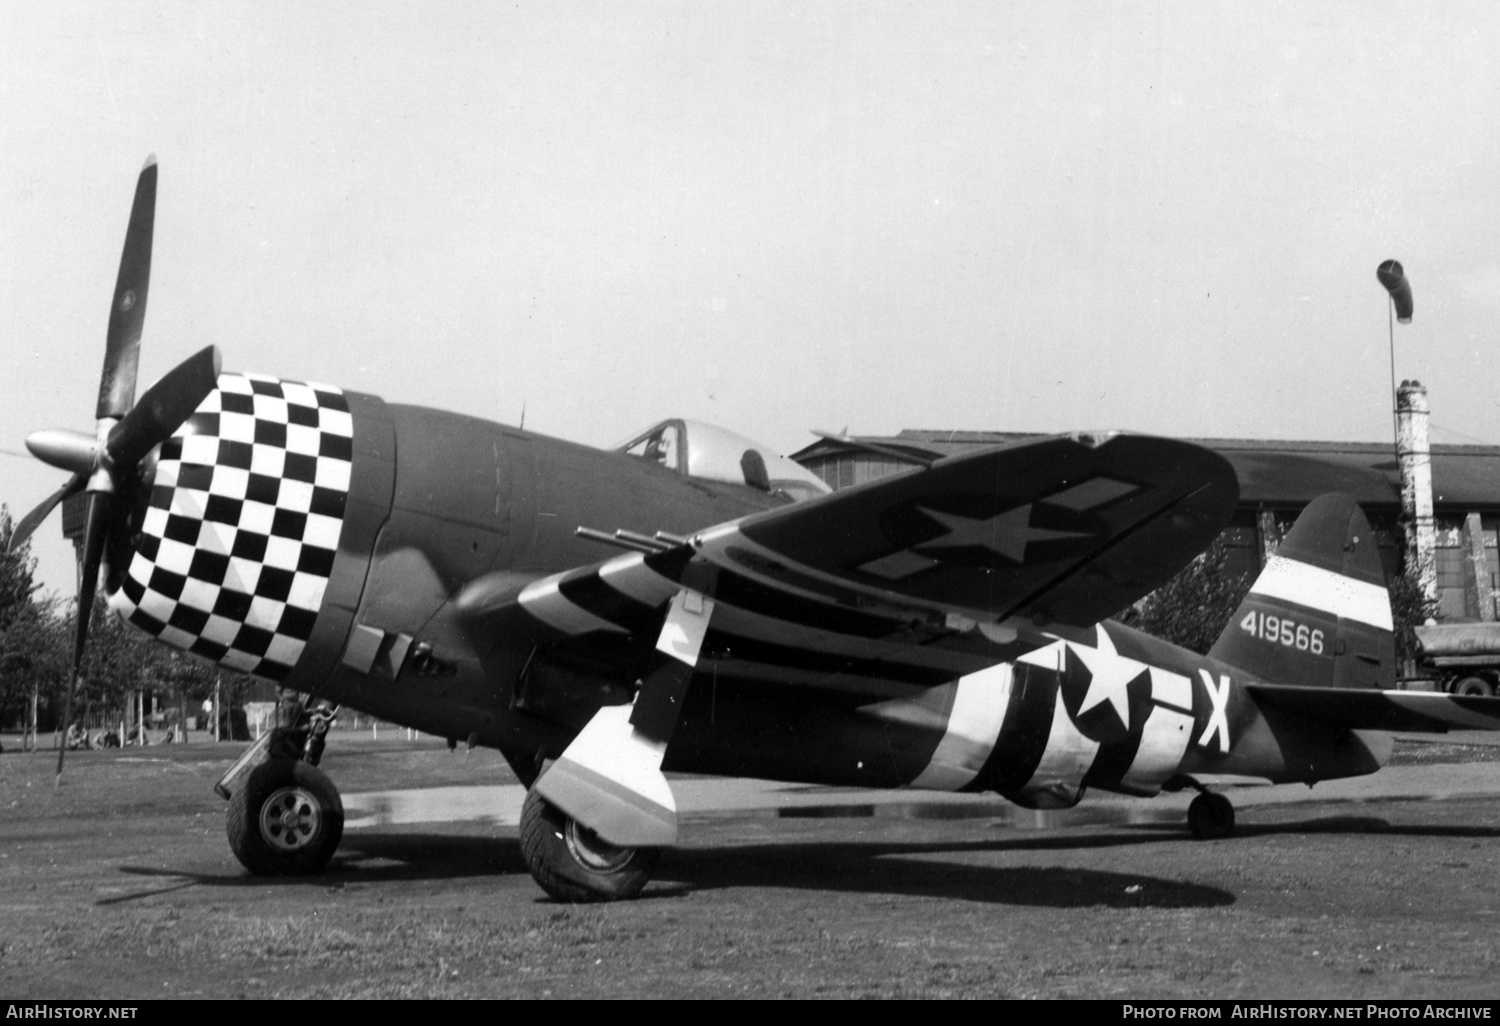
(285, 816)
(1210, 816)
(594, 824)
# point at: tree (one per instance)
(1192, 608)
(36, 653)
(16, 572)
(121, 660)
(1410, 608)
(28, 632)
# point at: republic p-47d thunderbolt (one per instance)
(693, 602)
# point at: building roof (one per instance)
(1271, 473)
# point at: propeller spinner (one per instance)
(126, 430)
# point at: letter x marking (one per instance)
(1218, 718)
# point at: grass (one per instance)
(119, 885)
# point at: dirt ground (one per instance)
(120, 885)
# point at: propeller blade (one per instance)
(31, 521)
(127, 314)
(95, 527)
(164, 408)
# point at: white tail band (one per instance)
(1307, 585)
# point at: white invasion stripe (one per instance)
(611, 747)
(633, 578)
(1171, 688)
(714, 544)
(1164, 739)
(686, 624)
(543, 600)
(630, 576)
(973, 728)
(610, 779)
(742, 623)
(1307, 585)
(724, 534)
(1068, 756)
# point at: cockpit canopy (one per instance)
(713, 454)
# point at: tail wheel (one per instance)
(1211, 817)
(287, 819)
(572, 863)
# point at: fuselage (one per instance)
(376, 554)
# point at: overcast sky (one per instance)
(1023, 216)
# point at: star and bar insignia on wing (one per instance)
(997, 539)
(1007, 534)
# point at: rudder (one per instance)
(1319, 614)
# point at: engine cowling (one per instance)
(236, 525)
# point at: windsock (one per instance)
(1393, 277)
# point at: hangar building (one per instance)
(1456, 521)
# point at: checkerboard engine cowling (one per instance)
(246, 507)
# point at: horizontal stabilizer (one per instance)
(1360, 709)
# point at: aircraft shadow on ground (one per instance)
(896, 868)
(865, 867)
(907, 868)
(1346, 824)
(916, 870)
(368, 858)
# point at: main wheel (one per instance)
(1475, 687)
(286, 820)
(1210, 817)
(572, 863)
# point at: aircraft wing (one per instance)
(1368, 709)
(1054, 532)
(1063, 530)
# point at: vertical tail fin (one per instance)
(1319, 614)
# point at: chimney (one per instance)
(1415, 459)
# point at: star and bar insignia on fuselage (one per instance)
(1109, 680)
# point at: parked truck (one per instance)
(1459, 658)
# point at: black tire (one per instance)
(572, 863)
(1211, 817)
(1474, 687)
(287, 819)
